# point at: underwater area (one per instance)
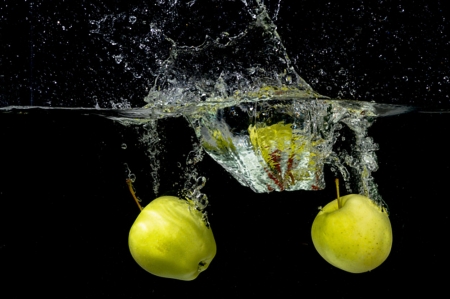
(97, 92)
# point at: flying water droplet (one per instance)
(118, 58)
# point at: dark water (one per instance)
(65, 210)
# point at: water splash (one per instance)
(183, 68)
(231, 87)
(283, 143)
(221, 68)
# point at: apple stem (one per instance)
(337, 192)
(130, 187)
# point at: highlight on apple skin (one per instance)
(355, 235)
(171, 239)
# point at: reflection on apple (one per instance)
(170, 238)
(352, 233)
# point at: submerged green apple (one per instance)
(170, 239)
(353, 234)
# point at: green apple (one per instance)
(352, 233)
(288, 156)
(170, 238)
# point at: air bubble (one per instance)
(132, 177)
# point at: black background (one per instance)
(65, 210)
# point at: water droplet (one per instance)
(118, 58)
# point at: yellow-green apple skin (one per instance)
(356, 238)
(170, 239)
